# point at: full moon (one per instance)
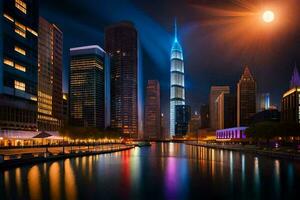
(268, 16)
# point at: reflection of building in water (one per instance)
(34, 183)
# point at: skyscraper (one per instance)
(19, 64)
(182, 119)
(152, 111)
(246, 98)
(177, 93)
(126, 86)
(215, 92)
(290, 103)
(263, 102)
(204, 115)
(87, 87)
(195, 124)
(50, 45)
(226, 111)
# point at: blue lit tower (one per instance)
(177, 96)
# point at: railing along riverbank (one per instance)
(261, 151)
(16, 157)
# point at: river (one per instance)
(162, 171)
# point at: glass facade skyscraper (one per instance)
(126, 86)
(19, 23)
(183, 117)
(87, 87)
(177, 93)
(49, 76)
(152, 111)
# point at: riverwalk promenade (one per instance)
(281, 152)
(15, 157)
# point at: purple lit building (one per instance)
(231, 133)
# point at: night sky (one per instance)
(218, 39)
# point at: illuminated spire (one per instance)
(295, 81)
(175, 25)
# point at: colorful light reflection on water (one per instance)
(163, 171)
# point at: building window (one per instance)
(19, 85)
(21, 5)
(20, 67)
(8, 62)
(8, 17)
(20, 29)
(32, 31)
(20, 50)
(14, 65)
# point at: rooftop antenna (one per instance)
(175, 24)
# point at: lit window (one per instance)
(20, 67)
(20, 29)
(19, 50)
(21, 5)
(8, 62)
(8, 17)
(33, 98)
(20, 33)
(19, 85)
(20, 26)
(32, 31)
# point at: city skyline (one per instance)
(201, 70)
(116, 99)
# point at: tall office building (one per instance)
(204, 116)
(263, 102)
(152, 111)
(182, 119)
(195, 124)
(50, 101)
(226, 111)
(215, 92)
(290, 103)
(177, 93)
(87, 87)
(246, 98)
(126, 86)
(19, 24)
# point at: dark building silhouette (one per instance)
(290, 102)
(182, 119)
(204, 114)
(87, 87)
(19, 69)
(226, 109)
(50, 101)
(272, 115)
(194, 124)
(152, 128)
(121, 43)
(246, 98)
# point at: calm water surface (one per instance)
(162, 171)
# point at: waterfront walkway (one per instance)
(261, 151)
(16, 157)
